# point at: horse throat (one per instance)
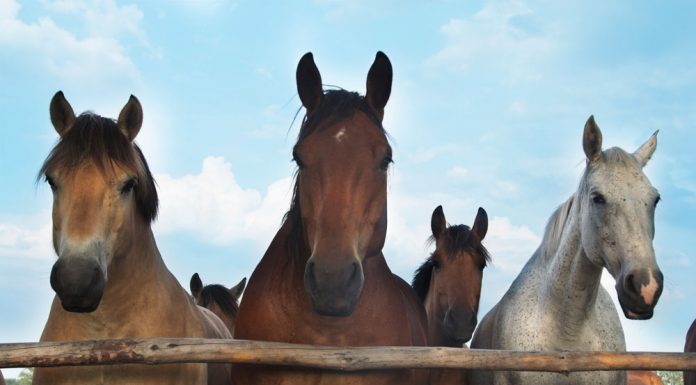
(572, 281)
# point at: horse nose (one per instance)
(79, 284)
(647, 286)
(333, 288)
(460, 323)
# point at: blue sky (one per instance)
(488, 103)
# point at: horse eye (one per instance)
(598, 199)
(384, 165)
(297, 160)
(657, 200)
(128, 186)
(50, 182)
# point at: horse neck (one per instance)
(572, 282)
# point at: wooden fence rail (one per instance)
(178, 350)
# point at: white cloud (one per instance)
(99, 55)
(457, 172)
(495, 38)
(510, 245)
(212, 205)
(18, 241)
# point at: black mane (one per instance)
(93, 137)
(336, 105)
(221, 296)
(458, 239)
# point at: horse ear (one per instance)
(309, 83)
(130, 120)
(379, 83)
(238, 289)
(438, 223)
(592, 140)
(196, 285)
(480, 227)
(646, 151)
(62, 115)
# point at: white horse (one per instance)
(557, 303)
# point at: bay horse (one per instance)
(324, 279)
(110, 280)
(449, 285)
(220, 300)
(556, 303)
(690, 347)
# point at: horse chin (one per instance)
(635, 314)
(340, 308)
(80, 309)
(80, 306)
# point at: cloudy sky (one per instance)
(488, 104)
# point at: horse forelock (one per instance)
(221, 296)
(335, 106)
(98, 139)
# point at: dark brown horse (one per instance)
(110, 279)
(690, 346)
(324, 279)
(220, 300)
(449, 284)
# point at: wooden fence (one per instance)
(179, 350)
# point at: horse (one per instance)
(2, 379)
(220, 300)
(556, 303)
(110, 280)
(690, 347)
(643, 377)
(449, 285)
(324, 279)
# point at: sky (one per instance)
(488, 104)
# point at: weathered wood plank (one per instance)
(177, 350)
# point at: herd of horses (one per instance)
(324, 279)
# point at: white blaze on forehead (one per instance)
(648, 291)
(340, 135)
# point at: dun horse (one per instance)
(557, 303)
(449, 284)
(110, 280)
(220, 300)
(690, 346)
(324, 279)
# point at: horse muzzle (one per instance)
(638, 293)
(79, 284)
(459, 325)
(334, 290)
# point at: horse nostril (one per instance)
(355, 272)
(630, 284)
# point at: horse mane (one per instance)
(221, 296)
(336, 105)
(458, 239)
(93, 137)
